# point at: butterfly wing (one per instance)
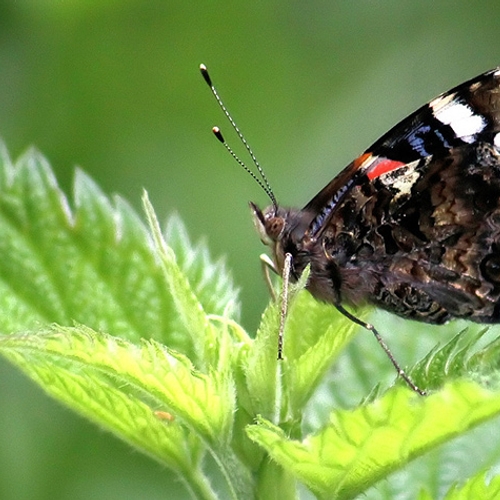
(464, 115)
(413, 224)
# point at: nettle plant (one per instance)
(136, 329)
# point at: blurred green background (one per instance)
(113, 86)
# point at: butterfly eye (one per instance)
(274, 227)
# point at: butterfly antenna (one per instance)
(265, 187)
(264, 183)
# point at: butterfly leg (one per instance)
(384, 346)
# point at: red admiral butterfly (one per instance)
(413, 224)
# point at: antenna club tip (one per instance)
(204, 73)
(216, 131)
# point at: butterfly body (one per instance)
(413, 224)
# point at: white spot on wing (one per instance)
(461, 118)
(496, 140)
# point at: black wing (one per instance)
(414, 223)
(465, 115)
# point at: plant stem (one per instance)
(198, 485)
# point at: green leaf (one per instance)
(189, 310)
(210, 281)
(477, 487)
(96, 264)
(316, 335)
(359, 447)
(93, 264)
(74, 365)
(121, 385)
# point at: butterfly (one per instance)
(413, 224)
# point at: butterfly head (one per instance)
(269, 223)
(283, 230)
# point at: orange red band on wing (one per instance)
(375, 166)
